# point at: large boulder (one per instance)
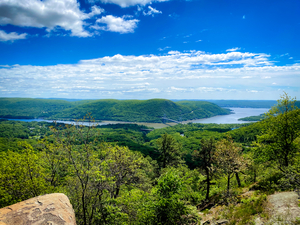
(51, 209)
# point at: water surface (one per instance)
(233, 118)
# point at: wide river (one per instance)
(233, 118)
(225, 119)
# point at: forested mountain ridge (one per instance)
(109, 109)
(31, 108)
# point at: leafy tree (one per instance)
(97, 173)
(138, 205)
(279, 133)
(21, 175)
(55, 162)
(88, 179)
(205, 158)
(229, 159)
(169, 151)
(124, 167)
(169, 208)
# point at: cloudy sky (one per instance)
(142, 49)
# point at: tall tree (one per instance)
(205, 159)
(169, 150)
(124, 167)
(87, 170)
(280, 131)
(96, 173)
(229, 159)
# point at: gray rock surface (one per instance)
(284, 208)
(51, 209)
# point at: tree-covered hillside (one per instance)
(119, 110)
(28, 108)
(142, 110)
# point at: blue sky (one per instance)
(142, 49)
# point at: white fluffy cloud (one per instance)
(11, 36)
(116, 24)
(127, 3)
(192, 74)
(49, 14)
(151, 11)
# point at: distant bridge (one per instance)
(164, 119)
(147, 130)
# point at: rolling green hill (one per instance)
(142, 110)
(119, 110)
(28, 108)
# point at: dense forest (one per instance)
(131, 174)
(118, 110)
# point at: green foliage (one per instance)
(205, 158)
(291, 177)
(169, 209)
(189, 136)
(169, 151)
(280, 132)
(21, 175)
(246, 134)
(138, 205)
(97, 174)
(129, 135)
(206, 109)
(269, 181)
(245, 212)
(23, 130)
(253, 118)
(26, 108)
(194, 129)
(229, 159)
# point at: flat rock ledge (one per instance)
(50, 209)
(285, 209)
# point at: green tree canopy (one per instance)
(169, 150)
(279, 133)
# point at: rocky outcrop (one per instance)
(51, 209)
(284, 208)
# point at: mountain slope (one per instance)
(142, 110)
(31, 108)
(119, 110)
